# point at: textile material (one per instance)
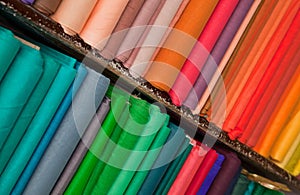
(82, 148)
(27, 67)
(168, 62)
(73, 23)
(108, 12)
(49, 133)
(137, 29)
(47, 7)
(9, 49)
(192, 67)
(84, 105)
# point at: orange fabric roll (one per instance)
(250, 60)
(238, 57)
(279, 118)
(168, 62)
(260, 68)
(287, 136)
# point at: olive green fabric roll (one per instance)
(89, 162)
(293, 160)
(17, 86)
(9, 47)
(50, 70)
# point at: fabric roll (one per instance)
(241, 186)
(135, 158)
(250, 188)
(218, 52)
(148, 161)
(286, 138)
(108, 12)
(140, 60)
(80, 179)
(276, 64)
(188, 170)
(280, 116)
(241, 64)
(9, 49)
(272, 192)
(233, 182)
(76, 120)
(168, 62)
(137, 29)
(211, 175)
(230, 167)
(168, 153)
(50, 70)
(293, 160)
(47, 7)
(202, 172)
(28, 68)
(49, 133)
(71, 23)
(139, 117)
(82, 148)
(29, 2)
(229, 51)
(172, 172)
(201, 51)
(258, 189)
(265, 62)
(296, 170)
(140, 42)
(271, 97)
(37, 127)
(127, 18)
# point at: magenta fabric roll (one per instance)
(217, 53)
(201, 51)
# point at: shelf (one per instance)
(23, 20)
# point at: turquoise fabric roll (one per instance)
(9, 47)
(36, 129)
(17, 86)
(50, 70)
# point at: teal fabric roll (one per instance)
(241, 186)
(9, 47)
(36, 129)
(17, 86)
(50, 70)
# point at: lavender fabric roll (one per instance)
(217, 53)
(68, 134)
(29, 2)
(81, 148)
(127, 18)
(230, 167)
(137, 29)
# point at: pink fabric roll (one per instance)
(197, 58)
(102, 21)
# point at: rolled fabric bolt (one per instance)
(47, 7)
(102, 21)
(201, 51)
(8, 50)
(127, 18)
(27, 67)
(29, 2)
(292, 162)
(73, 23)
(167, 64)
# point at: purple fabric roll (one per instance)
(211, 175)
(230, 167)
(217, 53)
(81, 148)
(29, 2)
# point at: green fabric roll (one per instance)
(36, 129)
(17, 86)
(50, 70)
(241, 186)
(135, 158)
(172, 172)
(272, 192)
(106, 153)
(293, 160)
(80, 179)
(149, 160)
(258, 190)
(9, 47)
(139, 116)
